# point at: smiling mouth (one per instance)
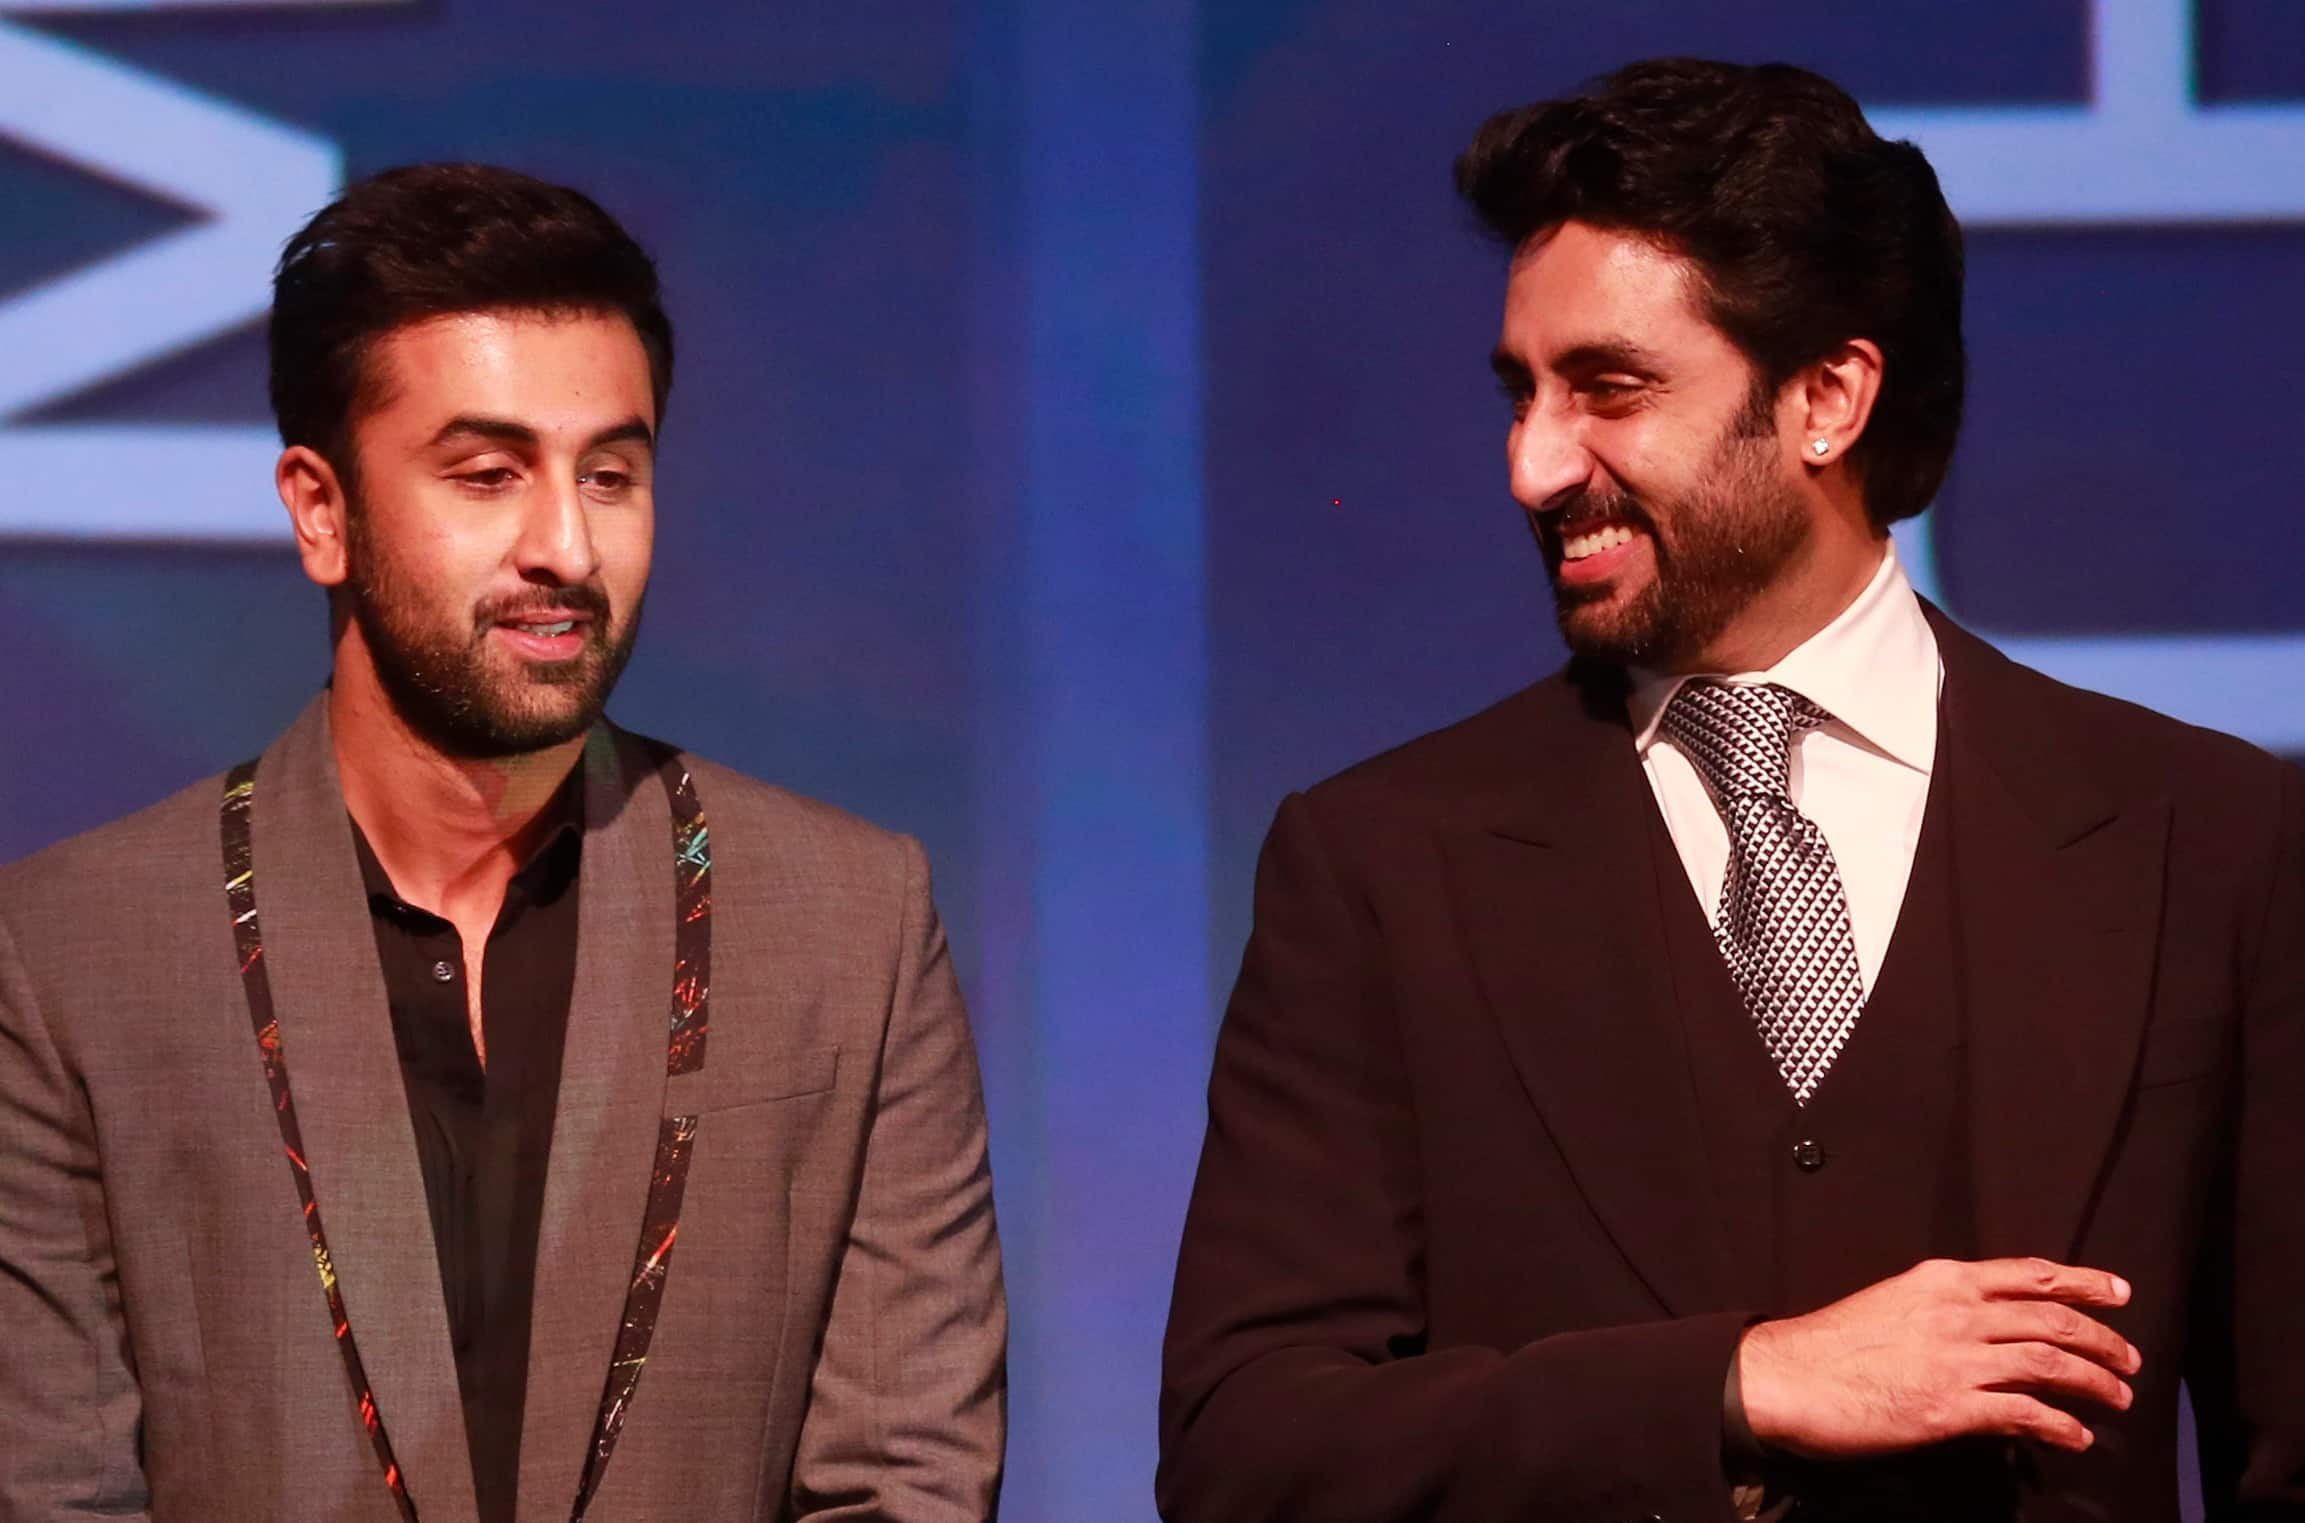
(1585, 543)
(548, 634)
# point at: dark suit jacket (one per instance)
(830, 1344)
(1449, 1255)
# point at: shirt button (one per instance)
(445, 972)
(1808, 1156)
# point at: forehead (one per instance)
(1577, 285)
(554, 372)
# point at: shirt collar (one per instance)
(1874, 668)
(549, 867)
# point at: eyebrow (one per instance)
(633, 430)
(1608, 354)
(1591, 355)
(630, 431)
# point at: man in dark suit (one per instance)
(1794, 1060)
(470, 1111)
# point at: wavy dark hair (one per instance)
(1806, 228)
(428, 240)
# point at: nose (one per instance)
(1547, 458)
(555, 544)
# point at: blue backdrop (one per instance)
(1084, 435)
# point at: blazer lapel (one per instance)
(605, 1122)
(344, 1077)
(1556, 891)
(2060, 901)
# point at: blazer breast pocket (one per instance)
(776, 1075)
(2179, 1050)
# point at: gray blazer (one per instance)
(831, 1339)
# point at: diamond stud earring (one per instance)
(1820, 447)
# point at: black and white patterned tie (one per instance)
(1783, 924)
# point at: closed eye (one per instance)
(1610, 393)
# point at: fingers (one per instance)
(2014, 1416)
(2045, 1367)
(2050, 1322)
(2039, 1279)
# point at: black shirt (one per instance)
(483, 1136)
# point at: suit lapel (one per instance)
(605, 1121)
(344, 1074)
(1557, 896)
(2060, 899)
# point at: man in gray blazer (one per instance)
(468, 1110)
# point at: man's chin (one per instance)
(503, 723)
(544, 715)
(1619, 630)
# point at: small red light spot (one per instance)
(1336, 502)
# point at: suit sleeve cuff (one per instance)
(1741, 1452)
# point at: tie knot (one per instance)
(1740, 735)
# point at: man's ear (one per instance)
(314, 496)
(1835, 395)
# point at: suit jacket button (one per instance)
(1808, 1156)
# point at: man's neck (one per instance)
(1817, 589)
(449, 831)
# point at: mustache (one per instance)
(1590, 508)
(581, 597)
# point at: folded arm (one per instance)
(1298, 1382)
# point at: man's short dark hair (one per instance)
(429, 240)
(1807, 228)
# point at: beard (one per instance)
(450, 683)
(1715, 548)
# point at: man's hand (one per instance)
(1942, 1351)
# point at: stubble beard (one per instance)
(452, 688)
(1715, 549)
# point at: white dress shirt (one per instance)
(1864, 778)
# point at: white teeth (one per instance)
(1577, 546)
(561, 628)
